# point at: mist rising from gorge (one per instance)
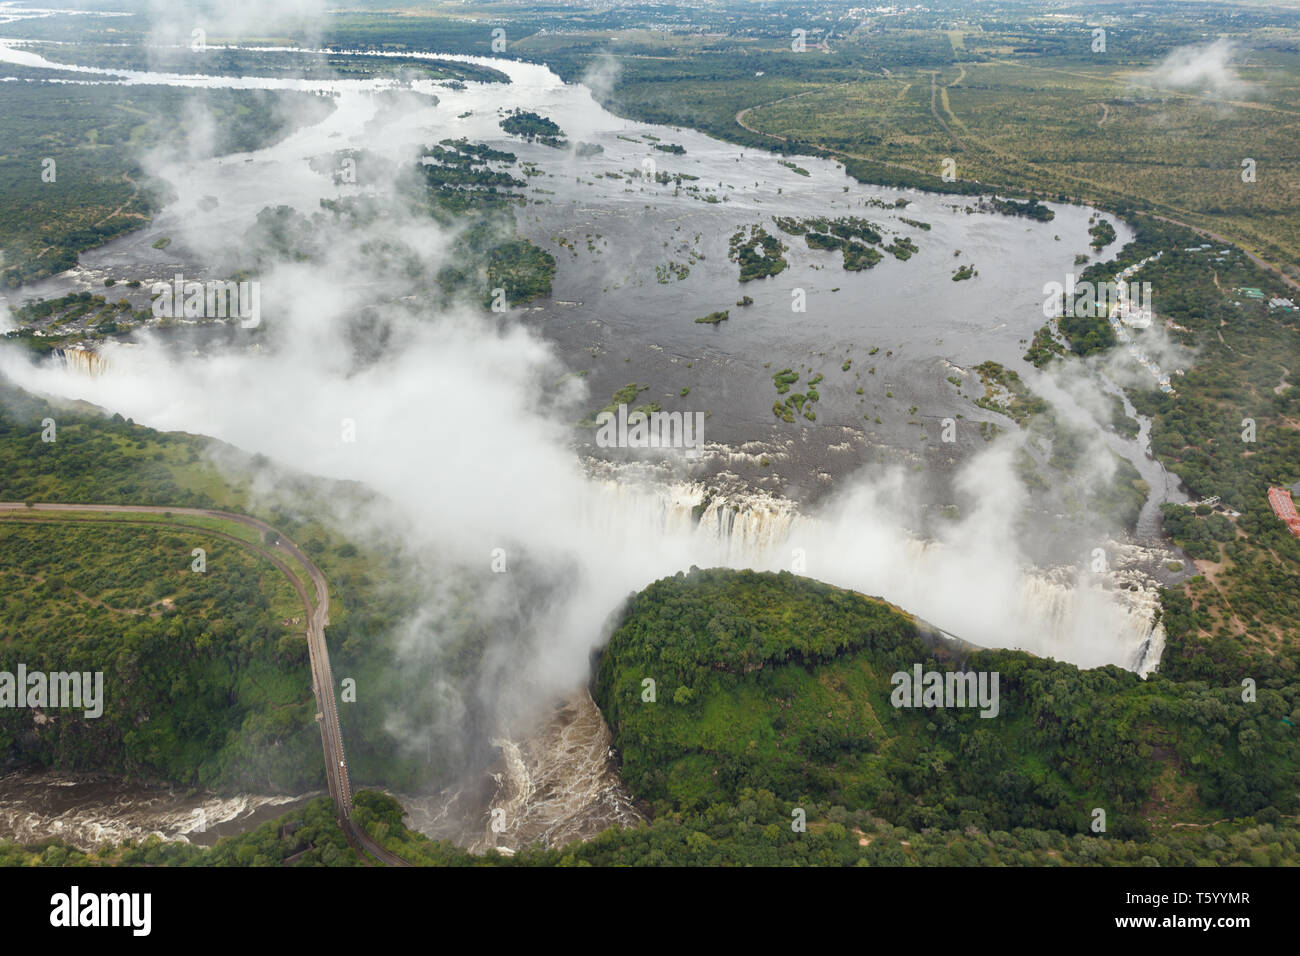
(463, 427)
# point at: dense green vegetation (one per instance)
(459, 178)
(93, 459)
(233, 636)
(902, 248)
(781, 683)
(522, 269)
(846, 227)
(1103, 234)
(1043, 348)
(857, 256)
(758, 254)
(784, 379)
(1087, 333)
(623, 396)
(796, 402)
(462, 151)
(203, 681)
(1198, 531)
(1120, 419)
(753, 831)
(849, 234)
(1030, 209)
(534, 128)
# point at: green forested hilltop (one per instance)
(808, 717)
(206, 676)
(203, 682)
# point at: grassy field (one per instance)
(1088, 131)
(220, 527)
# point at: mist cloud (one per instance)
(173, 24)
(1197, 68)
(601, 77)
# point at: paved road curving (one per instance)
(318, 617)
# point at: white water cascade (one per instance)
(84, 361)
(970, 587)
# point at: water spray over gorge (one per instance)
(462, 425)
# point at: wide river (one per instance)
(887, 340)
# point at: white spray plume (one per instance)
(173, 24)
(1208, 67)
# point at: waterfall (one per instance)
(1090, 624)
(978, 592)
(78, 358)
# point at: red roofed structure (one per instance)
(1284, 508)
